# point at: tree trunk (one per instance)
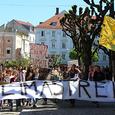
(113, 64)
(112, 52)
(87, 59)
(110, 65)
(79, 62)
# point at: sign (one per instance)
(38, 53)
(38, 50)
(70, 63)
(103, 91)
(50, 62)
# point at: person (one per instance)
(29, 74)
(24, 73)
(0, 68)
(7, 79)
(22, 79)
(102, 70)
(82, 75)
(10, 72)
(73, 72)
(36, 76)
(16, 78)
(98, 76)
(6, 69)
(14, 68)
(2, 81)
(107, 73)
(65, 73)
(90, 75)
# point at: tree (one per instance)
(57, 59)
(12, 64)
(101, 9)
(88, 28)
(73, 53)
(24, 60)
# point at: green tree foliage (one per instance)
(83, 29)
(95, 56)
(24, 60)
(100, 10)
(73, 55)
(57, 59)
(12, 64)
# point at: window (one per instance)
(42, 43)
(26, 46)
(33, 38)
(104, 57)
(63, 45)
(63, 56)
(31, 28)
(54, 23)
(53, 44)
(8, 50)
(8, 40)
(53, 34)
(42, 33)
(30, 38)
(64, 34)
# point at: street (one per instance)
(62, 107)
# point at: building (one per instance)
(10, 46)
(50, 33)
(24, 29)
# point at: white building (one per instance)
(50, 33)
(24, 29)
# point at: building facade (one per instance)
(50, 33)
(10, 46)
(25, 30)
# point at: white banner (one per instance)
(82, 90)
(70, 63)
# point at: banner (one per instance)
(107, 36)
(70, 63)
(37, 55)
(82, 90)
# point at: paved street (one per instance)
(63, 108)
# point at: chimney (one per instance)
(57, 11)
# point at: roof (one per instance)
(62, 13)
(48, 23)
(56, 18)
(23, 23)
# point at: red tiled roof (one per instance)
(47, 24)
(23, 23)
(56, 18)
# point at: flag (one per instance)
(107, 36)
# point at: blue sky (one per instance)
(34, 11)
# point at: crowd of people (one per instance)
(21, 74)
